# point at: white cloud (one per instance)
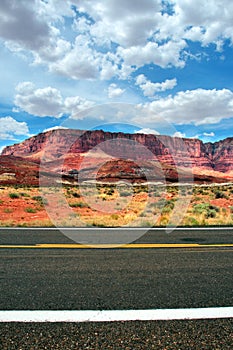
(197, 107)
(206, 22)
(81, 62)
(162, 55)
(76, 104)
(179, 134)
(48, 101)
(2, 148)
(10, 128)
(124, 22)
(114, 37)
(150, 88)
(40, 102)
(192, 106)
(114, 91)
(147, 131)
(20, 24)
(57, 127)
(209, 134)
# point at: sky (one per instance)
(150, 66)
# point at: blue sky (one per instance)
(151, 66)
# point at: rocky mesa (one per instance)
(123, 155)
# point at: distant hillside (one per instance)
(134, 157)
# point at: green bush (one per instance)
(40, 200)
(200, 208)
(14, 195)
(24, 194)
(220, 194)
(30, 210)
(191, 221)
(161, 202)
(125, 193)
(8, 210)
(208, 210)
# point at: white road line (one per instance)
(116, 228)
(114, 315)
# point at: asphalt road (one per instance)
(189, 235)
(95, 279)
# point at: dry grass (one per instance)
(113, 206)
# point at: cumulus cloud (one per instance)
(57, 127)
(81, 62)
(124, 22)
(40, 102)
(198, 106)
(20, 24)
(114, 37)
(209, 134)
(48, 101)
(147, 131)
(179, 134)
(76, 104)
(10, 128)
(114, 91)
(206, 22)
(161, 55)
(149, 88)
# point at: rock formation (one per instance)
(67, 150)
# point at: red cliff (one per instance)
(65, 147)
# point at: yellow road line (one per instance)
(125, 246)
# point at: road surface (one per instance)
(45, 276)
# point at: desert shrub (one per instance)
(183, 191)
(125, 193)
(213, 207)
(156, 193)
(97, 224)
(196, 199)
(40, 200)
(220, 194)
(114, 216)
(14, 195)
(209, 211)
(23, 224)
(76, 194)
(152, 205)
(8, 210)
(198, 191)
(166, 210)
(164, 221)
(191, 221)
(200, 208)
(24, 194)
(30, 210)
(161, 202)
(170, 203)
(109, 191)
(79, 205)
(146, 224)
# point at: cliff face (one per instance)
(222, 154)
(169, 151)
